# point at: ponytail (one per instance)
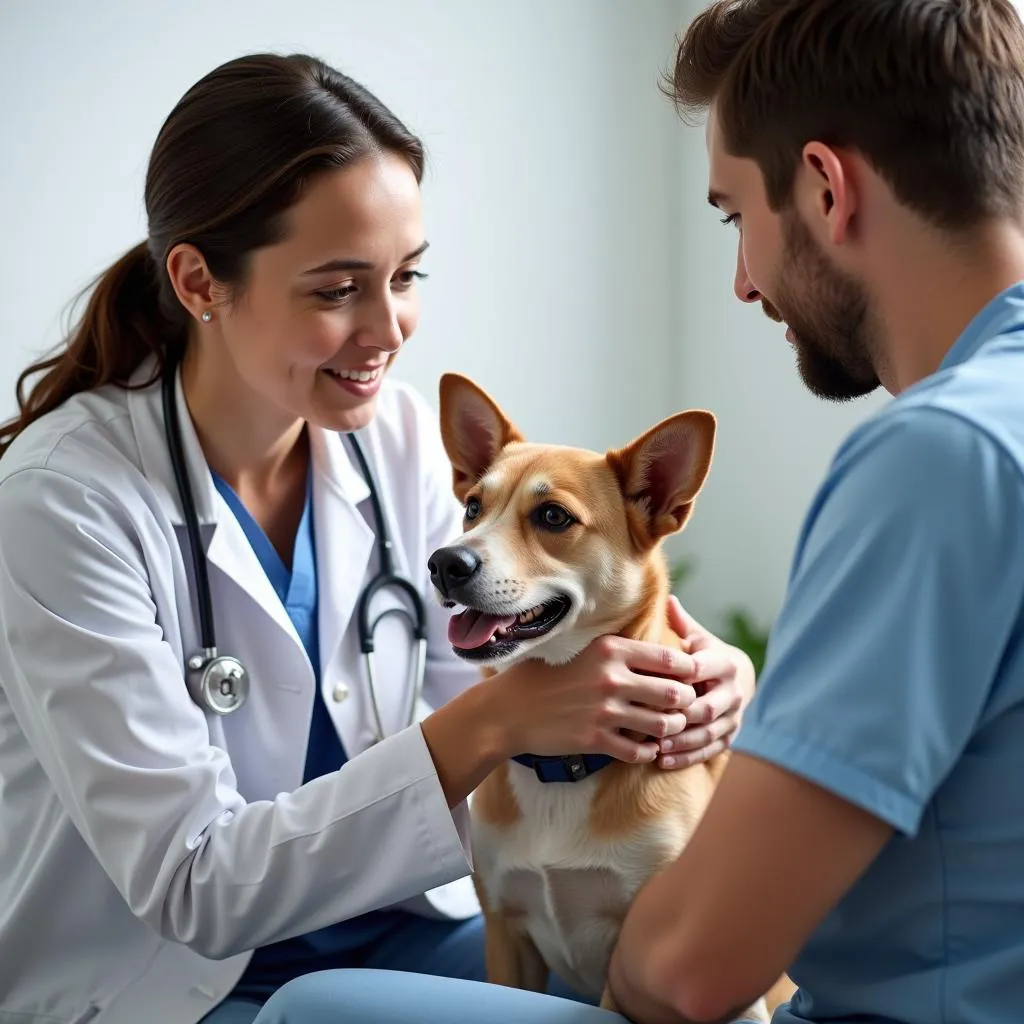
(122, 325)
(232, 157)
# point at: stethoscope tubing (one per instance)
(385, 577)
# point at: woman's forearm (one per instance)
(602, 702)
(467, 739)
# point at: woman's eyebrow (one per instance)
(343, 264)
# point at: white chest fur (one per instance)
(567, 888)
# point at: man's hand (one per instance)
(724, 676)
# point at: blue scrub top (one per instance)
(271, 966)
(895, 679)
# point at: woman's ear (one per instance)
(191, 280)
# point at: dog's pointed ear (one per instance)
(663, 470)
(474, 430)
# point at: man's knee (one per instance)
(309, 999)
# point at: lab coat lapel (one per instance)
(227, 548)
(344, 541)
(231, 553)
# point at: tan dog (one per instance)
(561, 546)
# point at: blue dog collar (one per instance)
(566, 767)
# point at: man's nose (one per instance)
(744, 288)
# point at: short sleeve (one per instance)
(906, 586)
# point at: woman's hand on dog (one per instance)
(724, 677)
(618, 697)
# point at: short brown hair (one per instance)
(930, 92)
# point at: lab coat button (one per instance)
(340, 693)
(204, 992)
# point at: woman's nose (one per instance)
(383, 329)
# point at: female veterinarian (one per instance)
(188, 527)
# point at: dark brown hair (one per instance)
(232, 157)
(930, 92)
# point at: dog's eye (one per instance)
(553, 517)
(472, 508)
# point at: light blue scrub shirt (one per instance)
(895, 679)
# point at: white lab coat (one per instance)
(146, 846)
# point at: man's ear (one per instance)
(825, 193)
(474, 430)
(662, 471)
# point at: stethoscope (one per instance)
(220, 682)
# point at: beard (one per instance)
(829, 316)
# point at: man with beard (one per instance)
(868, 832)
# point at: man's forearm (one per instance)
(656, 997)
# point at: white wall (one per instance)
(775, 439)
(551, 168)
(576, 270)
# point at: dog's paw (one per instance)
(757, 1011)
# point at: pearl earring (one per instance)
(206, 316)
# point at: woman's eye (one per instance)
(403, 281)
(408, 277)
(731, 218)
(553, 517)
(337, 294)
(472, 508)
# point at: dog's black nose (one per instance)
(451, 568)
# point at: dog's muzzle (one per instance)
(451, 569)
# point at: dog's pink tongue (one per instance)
(471, 628)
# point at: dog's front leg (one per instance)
(510, 956)
(607, 1003)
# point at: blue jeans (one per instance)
(425, 971)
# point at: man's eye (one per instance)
(472, 508)
(553, 517)
(731, 218)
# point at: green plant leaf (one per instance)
(740, 629)
(678, 572)
(742, 632)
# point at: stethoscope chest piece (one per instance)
(220, 683)
(216, 682)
